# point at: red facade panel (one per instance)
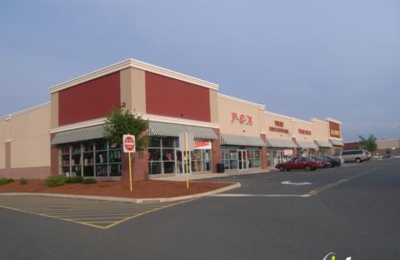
(89, 100)
(175, 98)
(334, 130)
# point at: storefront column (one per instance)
(140, 166)
(8, 155)
(54, 158)
(216, 151)
(295, 154)
(264, 159)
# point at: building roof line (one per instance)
(131, 63)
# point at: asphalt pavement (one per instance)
(353, 211)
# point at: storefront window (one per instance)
(277, 155)
(165, 157)
(91, 159)
(241, 157)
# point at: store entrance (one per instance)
(242, 160)
(180, 162)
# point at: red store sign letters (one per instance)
(304, 132)
(242, 118)
(278, 127)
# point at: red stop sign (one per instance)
(129, 143)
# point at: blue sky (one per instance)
(308, 58)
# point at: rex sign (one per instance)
(242, 118)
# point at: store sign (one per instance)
(278, 127)
(304, 132)
(242, 118)
(202, 144)
(334, 130)
(288, 152)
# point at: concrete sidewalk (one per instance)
(205, 175)
(131, 200)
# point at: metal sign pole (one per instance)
(130, 173)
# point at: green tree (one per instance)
(120, 122)
(369, 144)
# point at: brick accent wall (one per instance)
(264, 159)
(140, 168)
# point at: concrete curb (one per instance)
(130, 200)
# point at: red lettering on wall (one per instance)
(278, 130)
(249, 120)
(242, 118)
(234, 117)
(279, 123)
(304, 132)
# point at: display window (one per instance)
(91, 159)
(166, 157)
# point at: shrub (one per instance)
(23, 181)
(89, 181)
(76, 179)
(5, 181)
(55, 181)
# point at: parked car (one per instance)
(325, 162)
(356, 155)
(334, 161)
(305, 163)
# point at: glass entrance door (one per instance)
(180, 163)
(242, 160)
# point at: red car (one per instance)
(305, 163)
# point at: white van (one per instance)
(356, 155)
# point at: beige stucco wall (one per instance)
(272, 122)
(133, 90)
(3, 138)
(320, 130)
(388, 144)
(214, 106)
(30, 137)
(54, 109)
(229, 105)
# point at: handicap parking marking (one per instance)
(92, 213)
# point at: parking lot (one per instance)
(352, 211)
(93, 213)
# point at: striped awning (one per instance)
(77, 135)
(169, 129)
(323, 144)
(278, 143)
(307, 145)
(336, 142)
(241, 140)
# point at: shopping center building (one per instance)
(65, 135)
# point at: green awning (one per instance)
(323, 144)
(173, 130)
(279, 143)
(307, 145)
(336, 142)
(77, 135)
(241, 140)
